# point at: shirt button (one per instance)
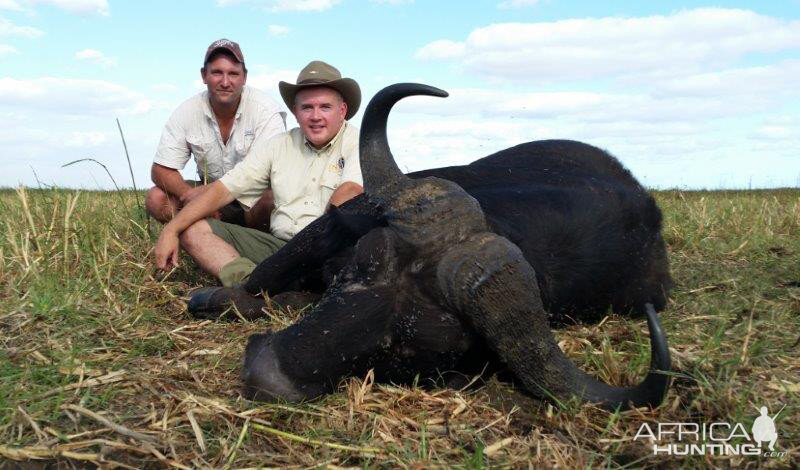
(313, 179)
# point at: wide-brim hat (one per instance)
(318, 73)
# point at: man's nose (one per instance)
(226, 80)
(316, 114)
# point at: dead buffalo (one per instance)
(458, 266)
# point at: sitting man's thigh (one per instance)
(252, 244)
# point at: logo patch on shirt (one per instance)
(249, 132)
(341, 163)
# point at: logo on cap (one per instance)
(222, 43)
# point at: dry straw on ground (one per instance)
(100, 364)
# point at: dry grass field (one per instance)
(101, 365)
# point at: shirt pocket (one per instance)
(206, 155)
(328, 184)
(243, 144)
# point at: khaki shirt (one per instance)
(193, 130)
(302, 178)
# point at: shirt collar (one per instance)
(327, 146)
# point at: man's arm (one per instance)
(167, 246)
(171, 181)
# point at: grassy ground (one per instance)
(99, 362)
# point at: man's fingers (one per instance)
(175, 258)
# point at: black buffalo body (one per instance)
(586, 226)
(446, 269)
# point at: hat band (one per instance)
(312, 81)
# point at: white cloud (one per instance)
(694, 130)
(85, 139)
(392, 2)
(277, 30)
(10, 5)
(766, 81)
(5, 49)
(508, 4)
(663, 156)
(71, 97)
(81, 7)
(165, 88)
(776, 132)
(96, 57)
(7, 28)
(594, 48)
(441, 49)
(266, 79)
(779, 130)
(285, 5)
(693, 98)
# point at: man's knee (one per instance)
(346, 191)
(193, 236)
(158, 204)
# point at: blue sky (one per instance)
(686, 94)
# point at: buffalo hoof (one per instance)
(263, 378)
(211, 302)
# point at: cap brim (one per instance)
(351, 93)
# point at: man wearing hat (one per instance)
(218, 127)
(308, 168)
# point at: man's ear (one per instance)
(203, 75)
(344, 108)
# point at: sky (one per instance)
(687, 94)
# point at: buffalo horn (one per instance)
(489, 282)
(377, 163)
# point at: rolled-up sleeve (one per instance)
(251, 176)
(173, 150)
(272, 123)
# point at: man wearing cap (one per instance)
(308, 168)
(218, 127)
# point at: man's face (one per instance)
(320, 111)
(225, 79)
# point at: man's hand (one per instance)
(346, 191)
(191, 194)
(167, 250)
(209, 201)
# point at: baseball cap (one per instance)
(226, 44)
